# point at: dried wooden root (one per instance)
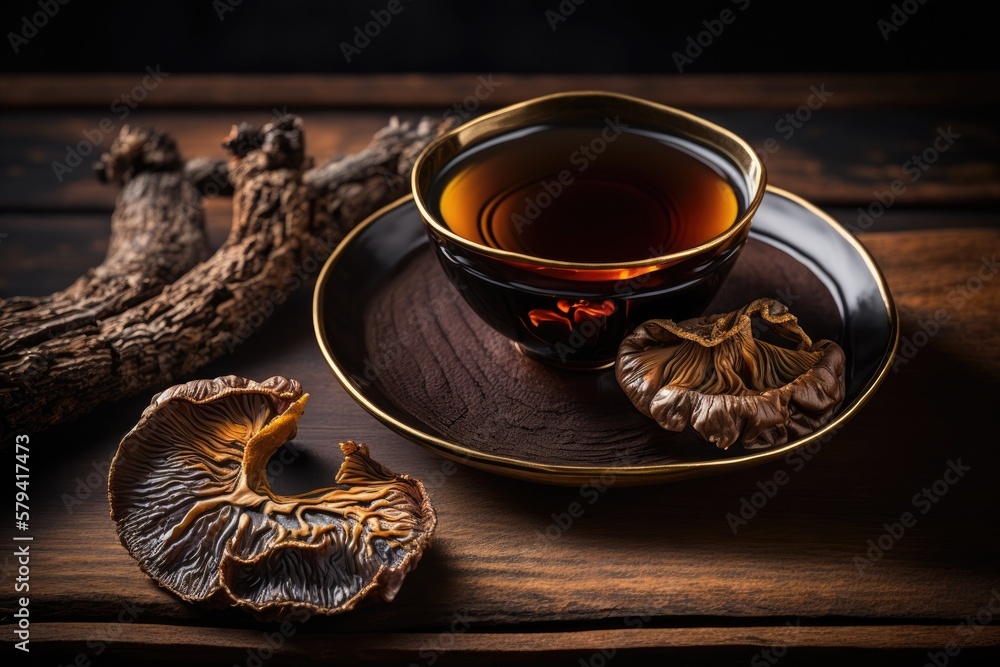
(157, 234)
(281, 218)
(210, 177)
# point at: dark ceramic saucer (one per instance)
(408, 349)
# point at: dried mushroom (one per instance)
(192, 504)
(712, 373)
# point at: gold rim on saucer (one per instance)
(623, 475)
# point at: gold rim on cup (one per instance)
(542, 110)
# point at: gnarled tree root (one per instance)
(282, 215)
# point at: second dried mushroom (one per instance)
(713, 374)
(192, 504)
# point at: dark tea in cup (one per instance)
(568, 220)
(588, 194)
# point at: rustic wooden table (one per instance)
(644, 571)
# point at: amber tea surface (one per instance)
(599, 194)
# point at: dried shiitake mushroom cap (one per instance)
(192, 504)
(711, 373)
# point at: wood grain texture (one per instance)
(44, 252)
(157, 235)
(156, 644)
(283, 218)
(838, 156)
(665, 551)
(745, 91)
(461, 380)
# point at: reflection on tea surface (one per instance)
(588, 194)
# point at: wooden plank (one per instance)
(696, 91)
(33, 142)
(504, 554)
(839, 157)
(44, 253)
(278, 644)
(915, 219)
(41, 253)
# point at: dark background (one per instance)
(600, 36)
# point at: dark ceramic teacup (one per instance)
(511, 255)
